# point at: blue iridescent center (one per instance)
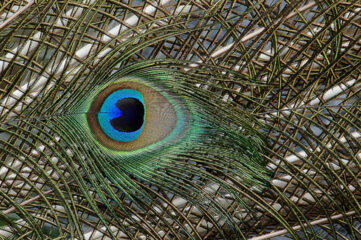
(122, 115)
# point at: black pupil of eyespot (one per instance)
(132, 116)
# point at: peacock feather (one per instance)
(177, 119)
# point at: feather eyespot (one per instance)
(128, 115)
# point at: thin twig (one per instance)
(298, 227)
(30, 200)
(7, 21)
